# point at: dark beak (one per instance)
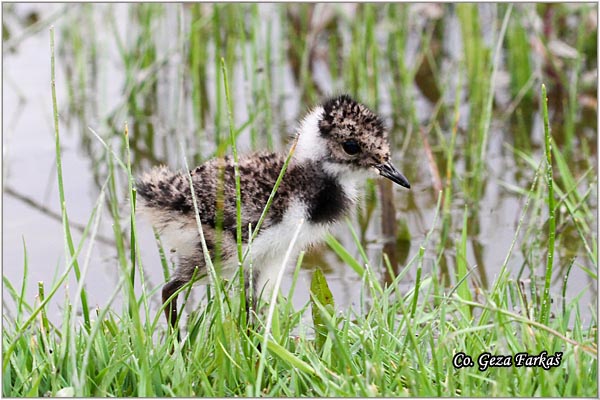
(388, 170)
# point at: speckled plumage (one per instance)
(319, 186)
(344, 119)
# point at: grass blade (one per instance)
(546, 301)
(61, 192)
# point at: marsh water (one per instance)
(104, 81)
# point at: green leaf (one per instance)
(344, 255)
(320, 294)
(287, 356)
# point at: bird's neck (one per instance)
(311, 153)
(310, 146)
(320, 169)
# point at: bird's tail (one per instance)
(165, 201)
(163, 195)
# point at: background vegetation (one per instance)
(463, 91)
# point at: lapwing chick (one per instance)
(339, 144)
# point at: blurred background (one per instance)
(459, 87)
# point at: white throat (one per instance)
(311, 146)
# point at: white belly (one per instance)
(268, 249)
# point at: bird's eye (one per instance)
(351, 147)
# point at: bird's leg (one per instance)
(171, 309)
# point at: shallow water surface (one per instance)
(130, 63)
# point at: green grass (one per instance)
(402, 345)
(396, 340)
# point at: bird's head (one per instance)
(348, 138)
